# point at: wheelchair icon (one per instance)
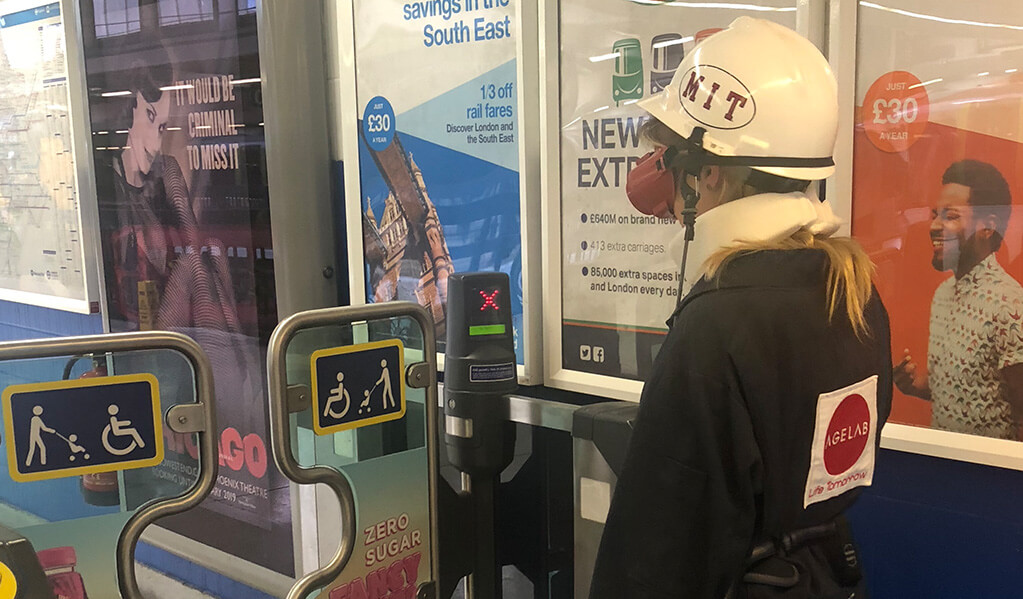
(118, 429)
(338, 394)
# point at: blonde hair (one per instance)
(850, 271)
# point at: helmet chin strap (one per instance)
(692, 163)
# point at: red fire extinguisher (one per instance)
(99, 488)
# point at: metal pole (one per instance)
(486, 571)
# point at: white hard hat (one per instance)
(761, 95)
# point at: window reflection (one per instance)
(116, 17)
(176, 12)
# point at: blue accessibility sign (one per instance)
(358, 385)
(84, 426)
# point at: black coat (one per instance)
(721, 451)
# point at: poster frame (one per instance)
(530, 152)
(305, 285)
(85, 181)
(840, 39)
(555, 374)
(811, 18)
(842, 45)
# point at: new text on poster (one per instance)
(608, 134)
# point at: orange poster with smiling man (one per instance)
(938, 203)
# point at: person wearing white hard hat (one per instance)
(760, 423)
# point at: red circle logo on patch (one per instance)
(848, 433)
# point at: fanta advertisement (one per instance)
(390, 538)
(392, 559)
(399, 580)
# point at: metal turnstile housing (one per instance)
(600, 441)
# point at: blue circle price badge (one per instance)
(378, 123)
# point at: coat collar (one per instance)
(759, 270)
(765, 217)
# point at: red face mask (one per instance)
(651, 184)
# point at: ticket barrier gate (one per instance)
(510, 527)
(86, 471)
(382, 460)
(554, 507)
(387, 474)
(353, 406)
(600, 438)
(479, 371)
(553, 499)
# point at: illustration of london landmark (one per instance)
(406, 252)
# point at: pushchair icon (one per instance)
(73, 446)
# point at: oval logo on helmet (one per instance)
(716, 98)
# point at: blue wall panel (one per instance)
(22, 321)
(941, 529)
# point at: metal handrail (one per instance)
(157, 508)
(280, 431)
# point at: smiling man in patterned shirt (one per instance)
(974, 375)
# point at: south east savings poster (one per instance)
(439, 148)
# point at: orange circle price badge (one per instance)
(895, 111)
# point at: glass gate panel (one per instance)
(359, 386)
(96, 446)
